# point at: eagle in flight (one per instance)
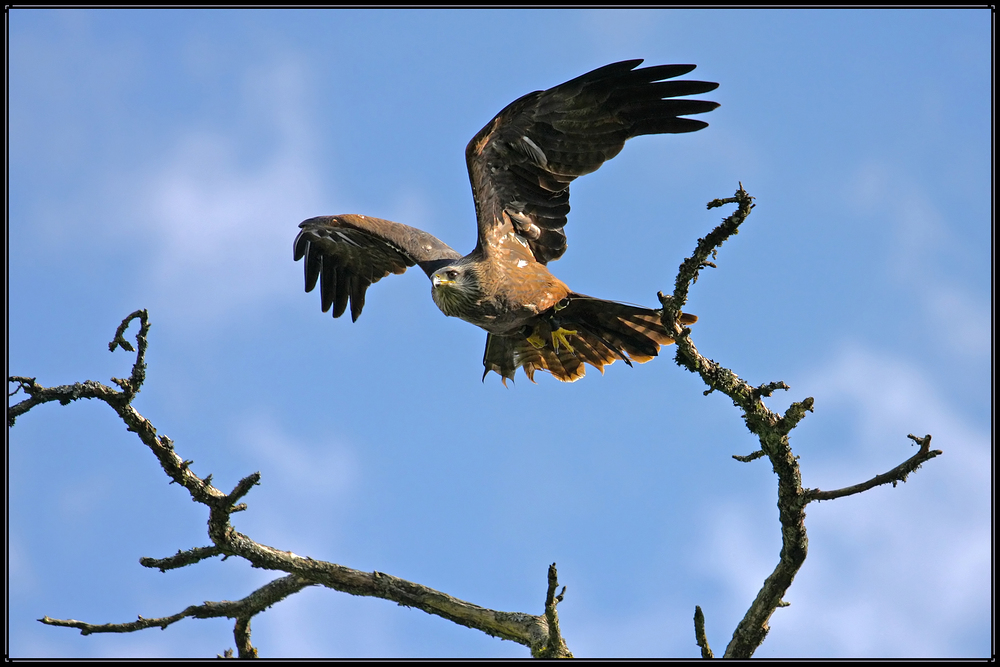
(520, 166)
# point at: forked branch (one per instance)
(540, 633)
(241, 610)
(772, 431)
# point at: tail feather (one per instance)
(599, 332)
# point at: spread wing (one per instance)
(522, 162)
(348, 253)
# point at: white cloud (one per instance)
(891, 398)
(223, 225)
(894, 571)
(924, 246)
(321, 471)
(964, 317)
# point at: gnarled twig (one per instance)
(894, 476)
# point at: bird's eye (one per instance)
(452, 274)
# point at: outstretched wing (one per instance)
(522, 162)
(348, 253)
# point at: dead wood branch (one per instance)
(540, 633)
(770, 428)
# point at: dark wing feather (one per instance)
(348, 253)
(522, 162)
(601, 332)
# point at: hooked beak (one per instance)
(439, 280)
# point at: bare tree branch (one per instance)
(181, 558)
(256, 602)
(532, 631)
(894, 476)
(241, 633)
(771, 432)
(130, 387)
(770, 428)
(699, 633)
(555, 647)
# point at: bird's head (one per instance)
(455, 288)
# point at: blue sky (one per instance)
(163, 159)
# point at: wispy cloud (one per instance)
(925, 241)
(223, 225)
(926, 541)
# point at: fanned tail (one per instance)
(579, 330)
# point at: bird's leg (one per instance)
(537, 339)
(559, 336)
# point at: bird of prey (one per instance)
(520, 166)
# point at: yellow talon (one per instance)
(536, 340)
(559, 337)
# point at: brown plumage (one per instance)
(520, 166)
